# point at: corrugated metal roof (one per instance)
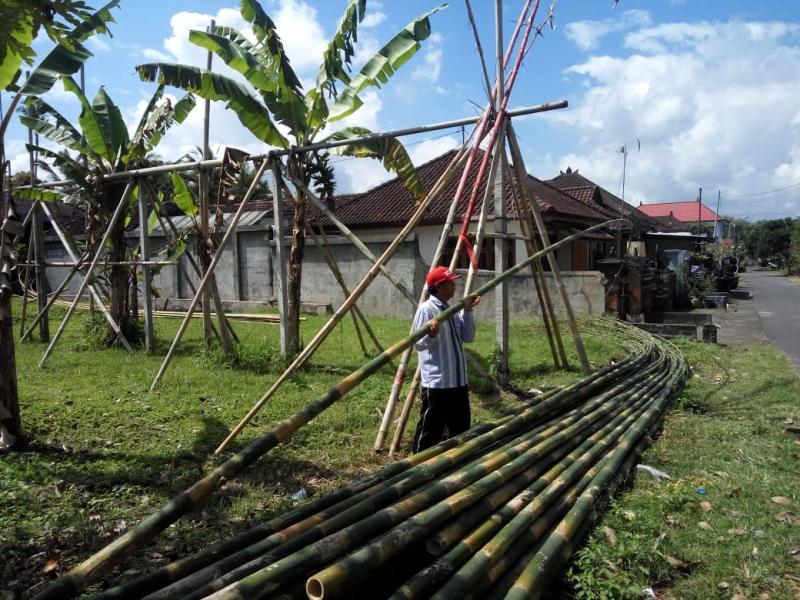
(249, 219)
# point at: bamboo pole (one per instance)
(280, 271)
(539, 283)
(402, 421)
(25, 285)
(337, 275)
(94, 293)
(337, 316)
(147, 278)
(87, 278)
(217, 162)
(79, 577)
(360, 246)
(53, 297)
(39, 257)
(519, 164)
(208, 274)
(203, 247)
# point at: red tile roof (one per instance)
(390, 204)
(601, 199)
(683, 211)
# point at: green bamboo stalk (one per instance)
(559, 544)
(303, 532)
(456, 530)
(334, 578)
(177, 570)
(482, 560)
(501, 577)
(531, 481)
(268, 551)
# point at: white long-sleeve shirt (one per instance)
(441, 358)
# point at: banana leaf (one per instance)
(183, 197)
(389, 150)
(383, 65)
(91, 125)
(336, 60)
(212, 86)
(66, 60)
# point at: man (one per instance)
(443, 370)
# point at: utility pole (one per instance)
(699, 210)
(716, 215)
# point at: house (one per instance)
(387, 207)
(688, 214)
(628, 235)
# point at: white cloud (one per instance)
(303, 36)
(373, 19)
(587, 34)
(715, 106)
(156, 55)
(98, 44)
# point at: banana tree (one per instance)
(275, 108)
(100, 145)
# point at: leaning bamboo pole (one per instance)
(89, 570)
(88, 277)
(208, 274)
(339, 314)
(519, 165)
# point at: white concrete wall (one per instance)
(253, 279)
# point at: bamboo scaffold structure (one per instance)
(82, 575)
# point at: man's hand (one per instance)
(434, 331)
(472, 301)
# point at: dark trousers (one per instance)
(440, 409)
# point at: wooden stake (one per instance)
(405, 413)
(147, 277)
(280, 257)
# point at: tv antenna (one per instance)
(624, 151)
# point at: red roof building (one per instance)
(686, 212)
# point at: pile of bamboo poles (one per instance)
(493, 511)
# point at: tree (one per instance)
(102, 146)
(21, 23)
(278, 98)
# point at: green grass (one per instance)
(104, 453)
(727, 442)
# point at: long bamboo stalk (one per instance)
(77, 579)
(342, 497)
(367, 509)
(419, 516)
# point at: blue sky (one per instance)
(709, 88)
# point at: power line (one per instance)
(783, 189)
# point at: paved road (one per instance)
(777, 301)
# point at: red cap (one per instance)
(440, 274)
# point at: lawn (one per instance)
(104, 453)
(727, 522)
